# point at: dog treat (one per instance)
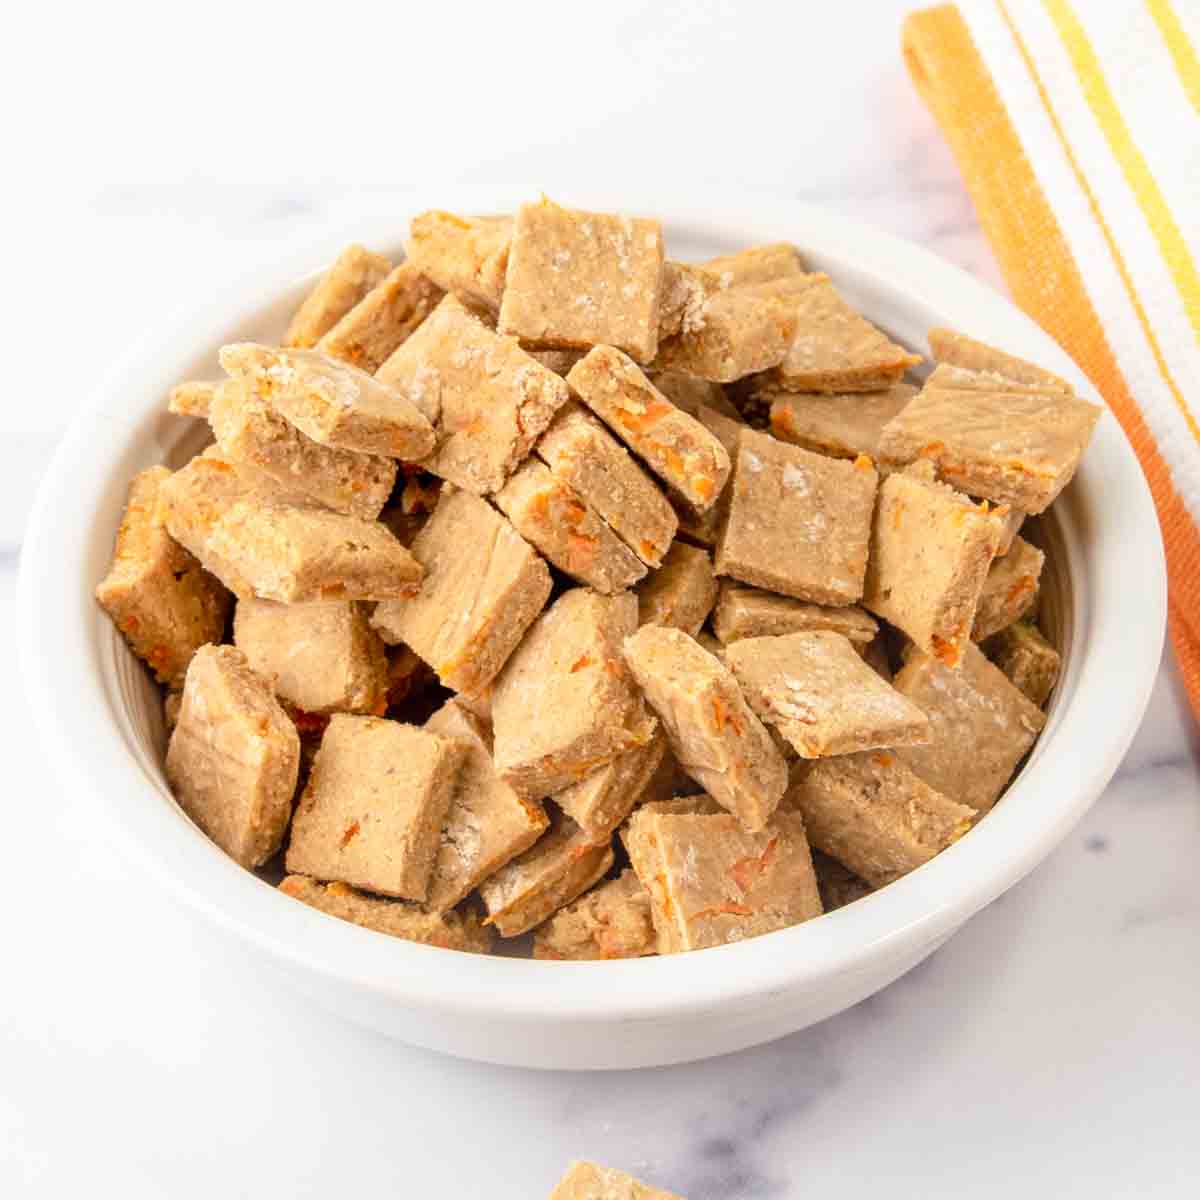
(1010, 589)
(234, 756)
(192, 398)
(487, 824)
(675, 446)
(958, 350)
(681, 593)
(837, 884)
(383, 319)
(579, 279)
(799, 523)
(758, 264)
(931, 549)
(564, 703)
(599, 802)
(1024, 655)
(685, 287)
(581, 452)
(323, 656)
(331, 402)
(372, 812)
(161, 599)
(982, 726)
(464, 255)
(712, 882)
(483, 587)
(873, 814)
(840, 424)
(567, 531)
(562, 865)
(610, 921)
(743, 612)
(817, 691)
(354, 273)
(713, 732)
(399, 918)
(688, 393)
(586, 1181)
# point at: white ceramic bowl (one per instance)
(102, 725)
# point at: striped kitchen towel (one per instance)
(1077, 129)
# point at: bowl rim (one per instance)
(1117, 652)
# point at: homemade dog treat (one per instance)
(837, 884)
(681, 593)
(1010, 589)
(234, 756)
(1024, 655)
(192, 398)
(586, 1181)
(599, 802)
(799, 523)
(684, 288)
(163, 601)
(611, 921)
(464, 255)
(354, 273)
(743, 612)
(759, 264)
(840, 424)
(817, 691)
(958, 350)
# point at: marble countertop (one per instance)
(1051, 1048)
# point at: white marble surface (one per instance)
(1051, 1048)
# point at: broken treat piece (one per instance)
(383, 319)
(873, 814)
(483, 587)
(354, 273)
(684, 289)
(958, 350)
(464, 255)
(837, 884)
(581, 452)
(489, 400)
(675, 446)
(681, 593)
(399, 918)
(331, 402)
(817, 691)
(564, 703)
(1010, 589)
(250, 430)
(562, 865)
(982, 726)
(610, 921)
(931, 548)
(599, 802)
(743, 612)
(799, 523)
(1024, 655)
(712, 882)
(372, 812)
(580, 279)
(713, 732)
(161, 599)
(946, 376)
(192, 398)
(323, 656)
(1011, 520)
(552, 516)
(277, 552)
(586, 1181)
(758, 264)
(840, 424)
(487, 825)
(234, 756)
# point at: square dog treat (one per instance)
(712, 882)
(581, 452)
(837, 884)
(743, 612)
(958, 350)
(713, 732)
(464, 255)
(354, 273)
(579, 279)
(1010, 589)
(586, 1181)
(322, 657)
(373, 809)
(487, 824)
(817, 691)
(234, 756)
(161, 599)
(758, 264)
(931, 549)
(872, 814)
(566, 530)
(599, 802)
(331, 402)
(483, 587)
(489, 399)
(840, 424)
(193, 398)
(1024, 655)
(398, 918)
(564, 703)
(799, 523)
(383, 319)
(610, 921)
(675, 446)
(681, 592)
(551, 873)
(982, 726)
(250, 430)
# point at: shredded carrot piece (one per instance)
(351, 832)
(582, 661)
